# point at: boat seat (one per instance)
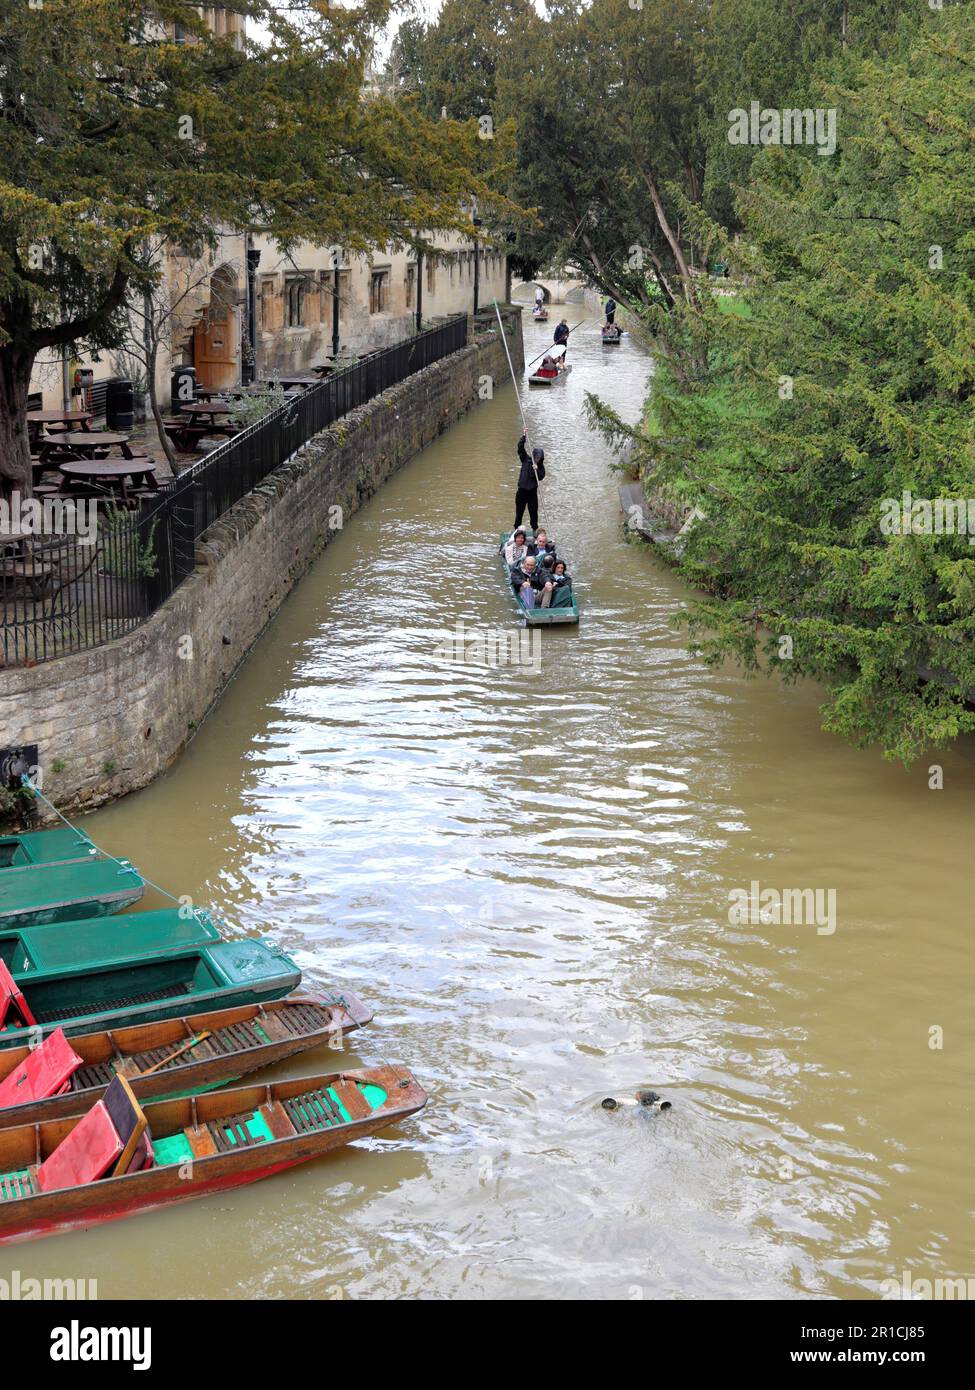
(201, 1142)
(85, 1155)
(14, 1012)
(106, 1139)
(353, 1101)
(130, 1123)
(45, 1071)
(276, 1119)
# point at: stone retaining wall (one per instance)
(110, 720)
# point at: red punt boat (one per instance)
(119, 1160)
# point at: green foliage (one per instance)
(847, 381)
(454, 63)
(17, 807)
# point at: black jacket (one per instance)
(562, 335)
(532, 549)
(527, 481)
(536, 579)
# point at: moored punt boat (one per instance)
(30, 847)
(193, 1053)
(37, 894)
(127, 1160)
(536, 617)
(122, 971)
(544, 376)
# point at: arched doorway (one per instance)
(216, 338)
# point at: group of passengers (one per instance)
(538, 576)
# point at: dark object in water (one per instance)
(643, 1099)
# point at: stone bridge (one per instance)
(555, 291)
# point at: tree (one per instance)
(758, 50)
(830, 441)
(113, 132)
(609, 148)
(454, 63)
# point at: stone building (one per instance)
(248, 310)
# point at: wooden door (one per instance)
(215, 348)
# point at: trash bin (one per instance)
(119, 404)
(182, 386)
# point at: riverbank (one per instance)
(108, 721)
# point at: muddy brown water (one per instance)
(527, 873)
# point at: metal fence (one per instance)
(60, 594)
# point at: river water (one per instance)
(526, 872)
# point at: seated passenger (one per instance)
(515, 549)
(528, 582)
(541, 545)
(548, 367)
(562, 584)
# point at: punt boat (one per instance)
(535, 617)
(611, 335)
(194, 1053)
(58, 876)
(117, 972)
(540, 315)
(119, 1160)
(544, 376)
(60, 846)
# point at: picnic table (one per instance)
(22, 561)
(299, 382)
(86, 443)
(200, 411)
(113, 473)
(201, 418)
(65, 419)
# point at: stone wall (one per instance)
(110, 720)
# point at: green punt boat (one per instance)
(61, 846)
(110, 973)
(535, 617)
(59, 876)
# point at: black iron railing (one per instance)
(62, 594)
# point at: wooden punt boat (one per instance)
(537, 379)
(128, 1160)
(540, 315)
(117, 972)
(611, 335)
(193, 1053)
(536, 617)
